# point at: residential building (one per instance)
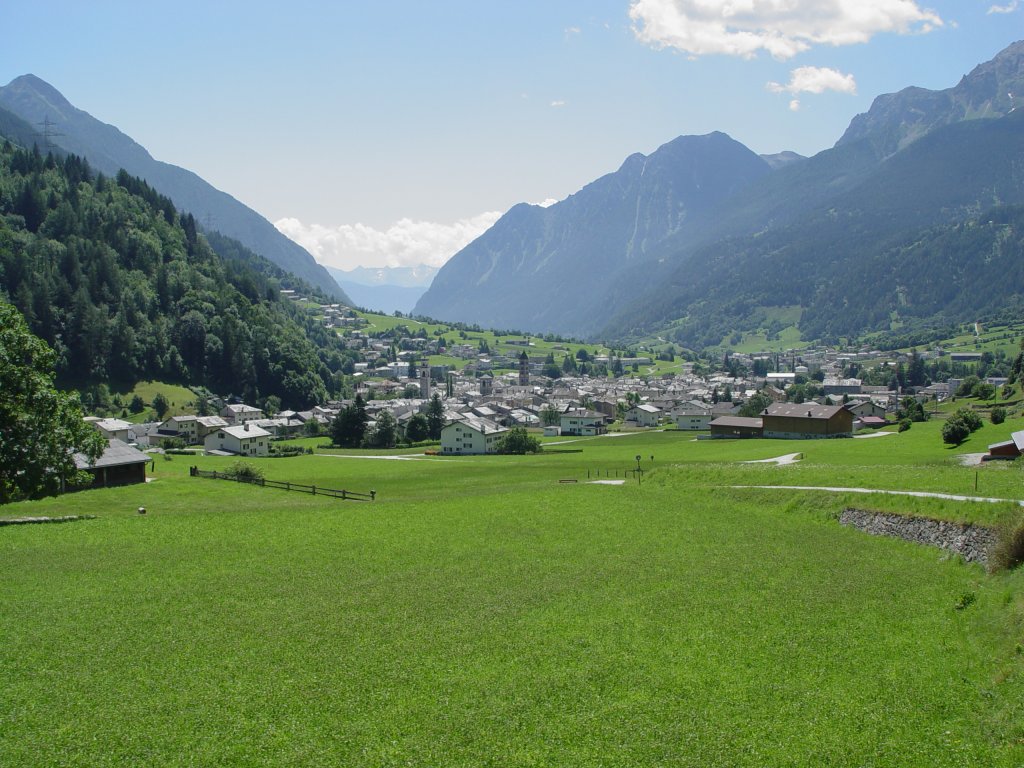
(471, 435)
(244, 440)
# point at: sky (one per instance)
(394, 132)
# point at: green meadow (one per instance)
(482, 612)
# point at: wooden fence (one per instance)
(287, 486)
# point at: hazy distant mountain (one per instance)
(782, 159)
(557, 268)
(108, 150)
(385, 289)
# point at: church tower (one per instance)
(524, 369)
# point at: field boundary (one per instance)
(343, 494)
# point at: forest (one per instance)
(125, 287)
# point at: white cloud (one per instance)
(782, 28)
(570, 31)
(794, 105)
(815, 80)
(406, 243)
(546, 203)
(1008, 8)
(558, 103)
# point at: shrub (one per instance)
(1009, 549)
(518, 441)
(954, 432)
(904, 425)
(998, 415)
(247, 473)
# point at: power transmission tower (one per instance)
(49, 133)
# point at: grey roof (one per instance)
(117, 454)
(803, 410)
(737, 421)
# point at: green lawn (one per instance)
(482, 613)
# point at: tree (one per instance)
(137, 404)
(385, 433)
(998, 415)
(417, 429)
(348, 429)
(435, 417)
(518, 441)
(40, 427)
(160, 405)
(549, 416)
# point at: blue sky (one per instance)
(391, 132)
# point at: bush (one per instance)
(1009, 549)
(244, 472)
(904, 425)
(518, 441)
(954, 432)
(998, 415)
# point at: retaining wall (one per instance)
(972, 542)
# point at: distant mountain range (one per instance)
(108, 150)
(385, 289)
(704, 238)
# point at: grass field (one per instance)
(480, 612)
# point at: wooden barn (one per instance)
(120, 464)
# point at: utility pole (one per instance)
(49, 132)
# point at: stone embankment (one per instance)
(972, 542)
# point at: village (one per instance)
(797, 394)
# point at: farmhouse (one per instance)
(806, 421)
(120, 464)
(471, 435)
(244, 440)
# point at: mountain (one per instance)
(555, 268)
(385, 289)
(108, 150)
(895, 120)
(847, 260)
(124, 288)
(727, 237)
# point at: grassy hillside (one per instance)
(482, 613)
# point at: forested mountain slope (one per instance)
(124, 287)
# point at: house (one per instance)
(579, 421)
(644, 415)
(115, 429)
(244, 440)
(692, 416)
(239, 413)
(183, 427)
(806, 421)
(471, 435)
(835, 386)
(736, 426)
(120, 464)
(862, 408)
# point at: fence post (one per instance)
(314, 490)
(342, 494)
(373, 495)
(287, 486)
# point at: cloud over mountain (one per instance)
(406, 243)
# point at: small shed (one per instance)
(120, 464)
(736, 426)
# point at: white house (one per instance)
(471, 435)
(582, 422)
(692, 416)
(115, 429)
(644, 415)
(240, 413)
(244, 440)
